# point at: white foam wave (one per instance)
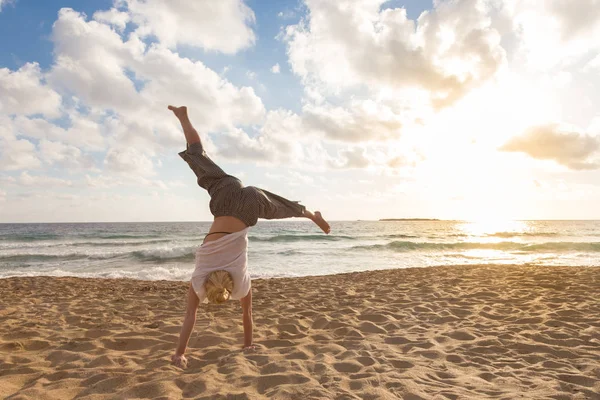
(167, 252)
(170, 273)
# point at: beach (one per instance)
(450, 332)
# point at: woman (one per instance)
(221, 261)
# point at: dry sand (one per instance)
(502, 332)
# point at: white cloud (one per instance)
(297, 140)
(286, 137)
(237, 145)
(287, 14)
(385, 159)
(15, 154)
(102, 181)
(102, 206)
(37, 181)
(91, 61)
(555, 32)
(25, 93)
(18, 154)
(594, 64)
(105, 181)
(213, 25)
(552, 142)
(129, 161)
(97, 66)
(83, 132)
(370, 74)
(7, 180)
(5, 2)
(361, 121)
(118, 19)
(447, 52)
(214, 102)
(280, 139)
(296, 178)
(56, 153)
(351, 158)
(275, 69)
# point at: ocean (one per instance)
(165, 250)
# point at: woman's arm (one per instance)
(186, 330)
(247, 319)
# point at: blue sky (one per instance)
(362, 109)
(28, 24)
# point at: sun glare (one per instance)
(489, 227)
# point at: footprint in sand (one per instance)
(264, 383)
(401, 364)
(369, 327)
(272, 368)
(376, 318)
(277, 343)
(347, 367)
(461, 335)
(297, 355)
(366, 361)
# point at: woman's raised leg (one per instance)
(273, 206)
(191, 135)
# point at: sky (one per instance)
(362, 109)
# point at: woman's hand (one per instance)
(179, 360)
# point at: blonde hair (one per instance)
(219, 286)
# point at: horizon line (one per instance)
(298, 219)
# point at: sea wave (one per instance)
(66, 244)
(400, 236)
(332, 238)
(406, 246)
(119, 243)
(150, 273)
(30, 238)
(522, 234)
(155, 255)
(39, 237)
(186, 253)
(172, 273)
(121, 236)
(300, 238)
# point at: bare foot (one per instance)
(180, 112)
(319, 220)
(179, 360)
(250, 349)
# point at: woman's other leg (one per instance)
(273, 206)
(318, 219)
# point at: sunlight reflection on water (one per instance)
(496, 228)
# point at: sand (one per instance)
(500, 332)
